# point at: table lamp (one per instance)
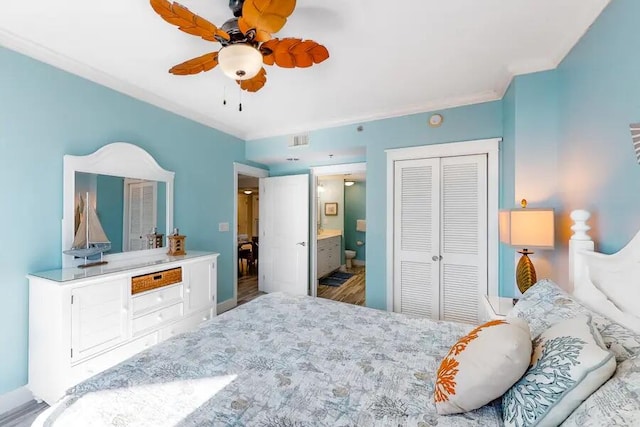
(527, 229)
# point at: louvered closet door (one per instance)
(142, 213)
(463, 237)
(416, 237)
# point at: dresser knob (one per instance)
(159, 317)
(160, 298)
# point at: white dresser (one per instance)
(82, 322)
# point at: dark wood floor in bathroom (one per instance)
(352, 291)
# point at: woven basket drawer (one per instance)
(155, 280)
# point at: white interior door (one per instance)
(284, 234)
(463, 269)
(417, 237)
(440, 237)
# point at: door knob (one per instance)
(302, 243)
(434, 258)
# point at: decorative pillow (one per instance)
(585, 291)
(545, 304)
(568, 364)
(615, 403)
(482, 365)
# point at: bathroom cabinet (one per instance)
(328, 255)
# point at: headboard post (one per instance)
(580, 242)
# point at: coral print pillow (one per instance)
(482, 365)
(569, 363)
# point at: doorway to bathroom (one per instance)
(338, 250)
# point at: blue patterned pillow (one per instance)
(545, 304)
(615, 403)
(569, 363)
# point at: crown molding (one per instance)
(48, 56)
(486, 96)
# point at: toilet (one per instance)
(349, 255)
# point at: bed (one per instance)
(297, 361)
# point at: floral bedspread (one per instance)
(280, 361)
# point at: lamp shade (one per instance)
(240, 61)
(527, 228)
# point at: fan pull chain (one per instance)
(224, 95)
(240, 97)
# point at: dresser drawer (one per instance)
(157, 318)
(85, 369)
(155, 299)
(146, 282)
(185, 325)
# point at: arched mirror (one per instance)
(121, 188)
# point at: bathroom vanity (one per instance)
(329, 258)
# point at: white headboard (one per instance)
(580, 245)
(614, 275)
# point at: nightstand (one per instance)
(496, 307)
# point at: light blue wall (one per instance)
(600, 97)
(465, 123)
(530, 159)
(46, 113)
(355, 207)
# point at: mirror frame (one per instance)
(116, 159)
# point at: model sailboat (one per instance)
(90, 238)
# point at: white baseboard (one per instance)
(358, 263)
(15, 398)
(226, 305)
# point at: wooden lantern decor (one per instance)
(176, 243)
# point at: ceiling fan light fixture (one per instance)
(240, 61)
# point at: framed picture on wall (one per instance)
(331, 209)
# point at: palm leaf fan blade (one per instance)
(197, 65)
(254, 84)
(261, 35)
(187, 21)
(319, 53)
(267, 16)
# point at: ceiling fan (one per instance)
(246, 40)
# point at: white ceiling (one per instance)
(388, 58)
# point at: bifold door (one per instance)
(440, 237)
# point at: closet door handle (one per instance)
(437, 258)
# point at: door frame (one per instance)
(490, 147)
(316, 172)
(238, 169)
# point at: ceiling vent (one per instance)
(299, 140)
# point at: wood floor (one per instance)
(352, 291)
(24, 415)
(248, 288)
